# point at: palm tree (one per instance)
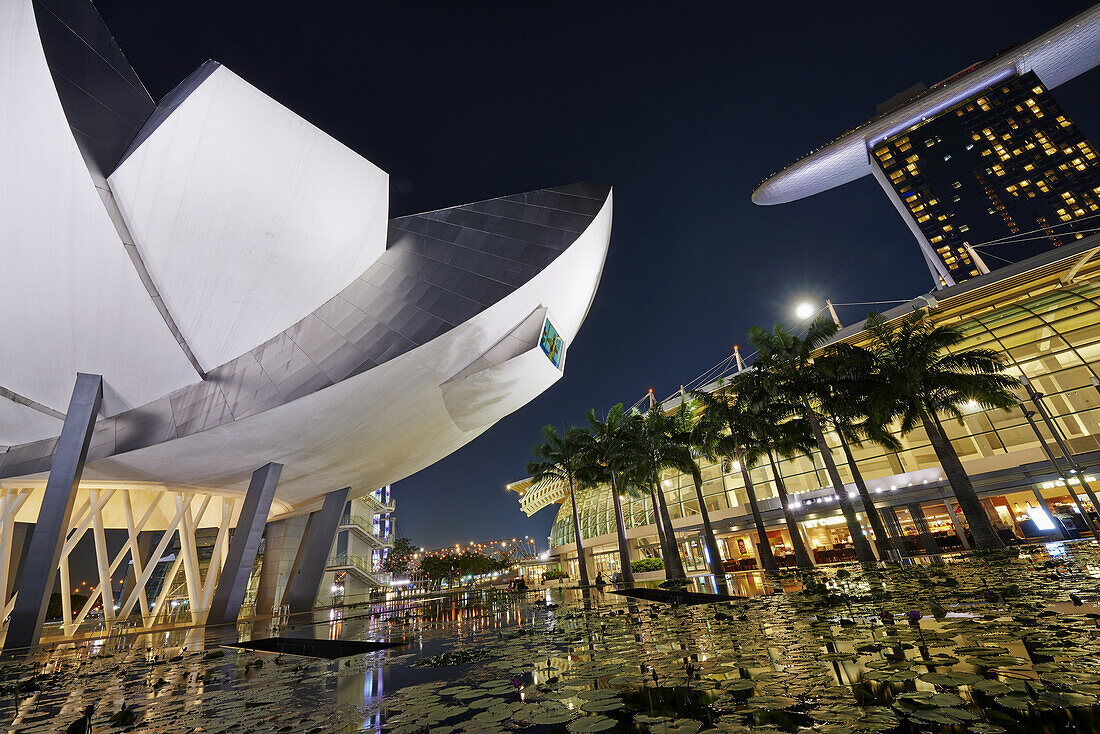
(780, 434)
(784, 363)
(607, 457)
(658, 449)
(925, 379)
(695, 440)
(559, 459)
(801, 555)
(849, 379)
(731, 427)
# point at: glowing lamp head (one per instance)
(804, 310)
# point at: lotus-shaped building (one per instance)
(253, 332)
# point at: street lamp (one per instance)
(805, 310)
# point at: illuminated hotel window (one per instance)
(956, 186)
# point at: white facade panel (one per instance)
(70, 297)
(20, 424)
(247, 217)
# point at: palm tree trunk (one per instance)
(882, 538)
(764, 548)
(657, 518)
(714, 556)
(581, 561)
(674, 565)
(864, 554)
(985, 537)
(625, 572)
(801, 556)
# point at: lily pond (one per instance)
(971, 644)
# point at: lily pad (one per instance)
(590, 724)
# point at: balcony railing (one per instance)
(360, 566)
(365, 526)
(381, 508)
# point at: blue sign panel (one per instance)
(551, 343)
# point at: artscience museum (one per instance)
(256, 341)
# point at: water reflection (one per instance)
(999, 642)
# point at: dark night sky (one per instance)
(682, 110)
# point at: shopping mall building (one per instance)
(1043, 314)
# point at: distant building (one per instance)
(1006, 169)
(363, 540)
(980, 157)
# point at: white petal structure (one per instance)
(247, 217)
(230, 271)
(70, 296)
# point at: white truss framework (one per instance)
(542, 494)
(189, 509)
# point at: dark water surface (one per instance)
(973, 644)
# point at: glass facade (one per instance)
(1053, 338)
(1006, 174)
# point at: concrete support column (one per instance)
(958, 525)
(930, 545)
(990, 511)
(893, 526)
(806, 541)
(233, 582)
(274, 543)
(589, 563)
(48, 537)
(890, 519)
(751, 543)
(312, 556)
(935, 265)
(20, 545)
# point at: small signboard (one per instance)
(552, 344)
